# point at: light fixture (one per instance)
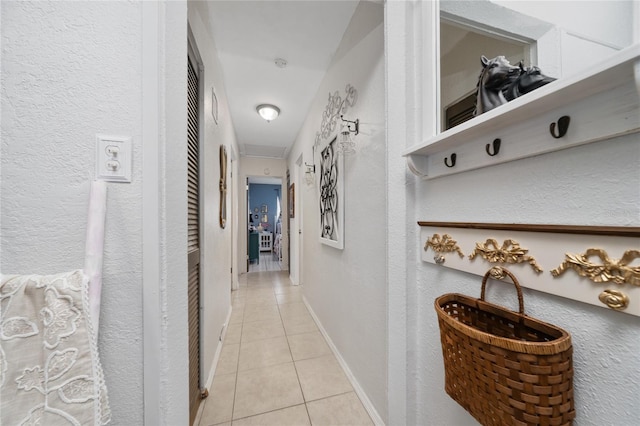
(268, 112)
(309, 175)
(356, 125)
(346, 144)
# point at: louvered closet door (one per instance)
(193, 226)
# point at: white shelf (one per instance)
(603, 103)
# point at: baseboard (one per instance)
(291, 281)
(214, 364)
(366, 402)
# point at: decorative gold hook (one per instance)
(614, 299)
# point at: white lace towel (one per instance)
(50, 372)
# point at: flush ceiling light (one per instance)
(268, 112)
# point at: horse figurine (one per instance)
(530, 78)
(496, 74)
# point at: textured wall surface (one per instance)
(71, 70)
(216, 241)
(594, 184)
(347, 288)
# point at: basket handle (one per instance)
(498, 273)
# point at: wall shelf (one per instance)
(603, 103)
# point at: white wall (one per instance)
(253, 166)
(69, 71)
(165, 301)
(580, 186)
(347, 288)
(594, 184)
(216, 244)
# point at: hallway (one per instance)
(275, 367)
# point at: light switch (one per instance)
(113, 158)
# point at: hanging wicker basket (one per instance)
(504, 367)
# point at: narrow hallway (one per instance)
(275, 367)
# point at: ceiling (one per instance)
(250, 36)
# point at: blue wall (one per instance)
(260, 194)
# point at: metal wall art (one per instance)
(617, 271)
(510, 252)
(331, 196)
(440, 245)
(336, 106)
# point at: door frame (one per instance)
(299, 216)
(194, 55)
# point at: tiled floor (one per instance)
(275, 367)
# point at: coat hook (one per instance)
(496, 147)
(563, 126)
(453, 160)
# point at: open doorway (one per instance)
(264, 224)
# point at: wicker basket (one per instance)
(504, 367)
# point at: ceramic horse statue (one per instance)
(530, 78)
(496, 74)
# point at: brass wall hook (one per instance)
(614, 299)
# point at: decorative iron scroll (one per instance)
(618, 271)
(444, 244)
(510, 252)
(328, 192)
(335, 106)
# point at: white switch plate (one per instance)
(113, 158)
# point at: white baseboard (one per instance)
(366, 402)
(214, 364)
(292, 282)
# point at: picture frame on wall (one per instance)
(223, 186)
(214, 105)
(332, 196)
(292, 201)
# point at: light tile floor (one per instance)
(275, 368)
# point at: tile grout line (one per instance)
(295, 368)
(235, 386)
(267, 412)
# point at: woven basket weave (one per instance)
(504, 367)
